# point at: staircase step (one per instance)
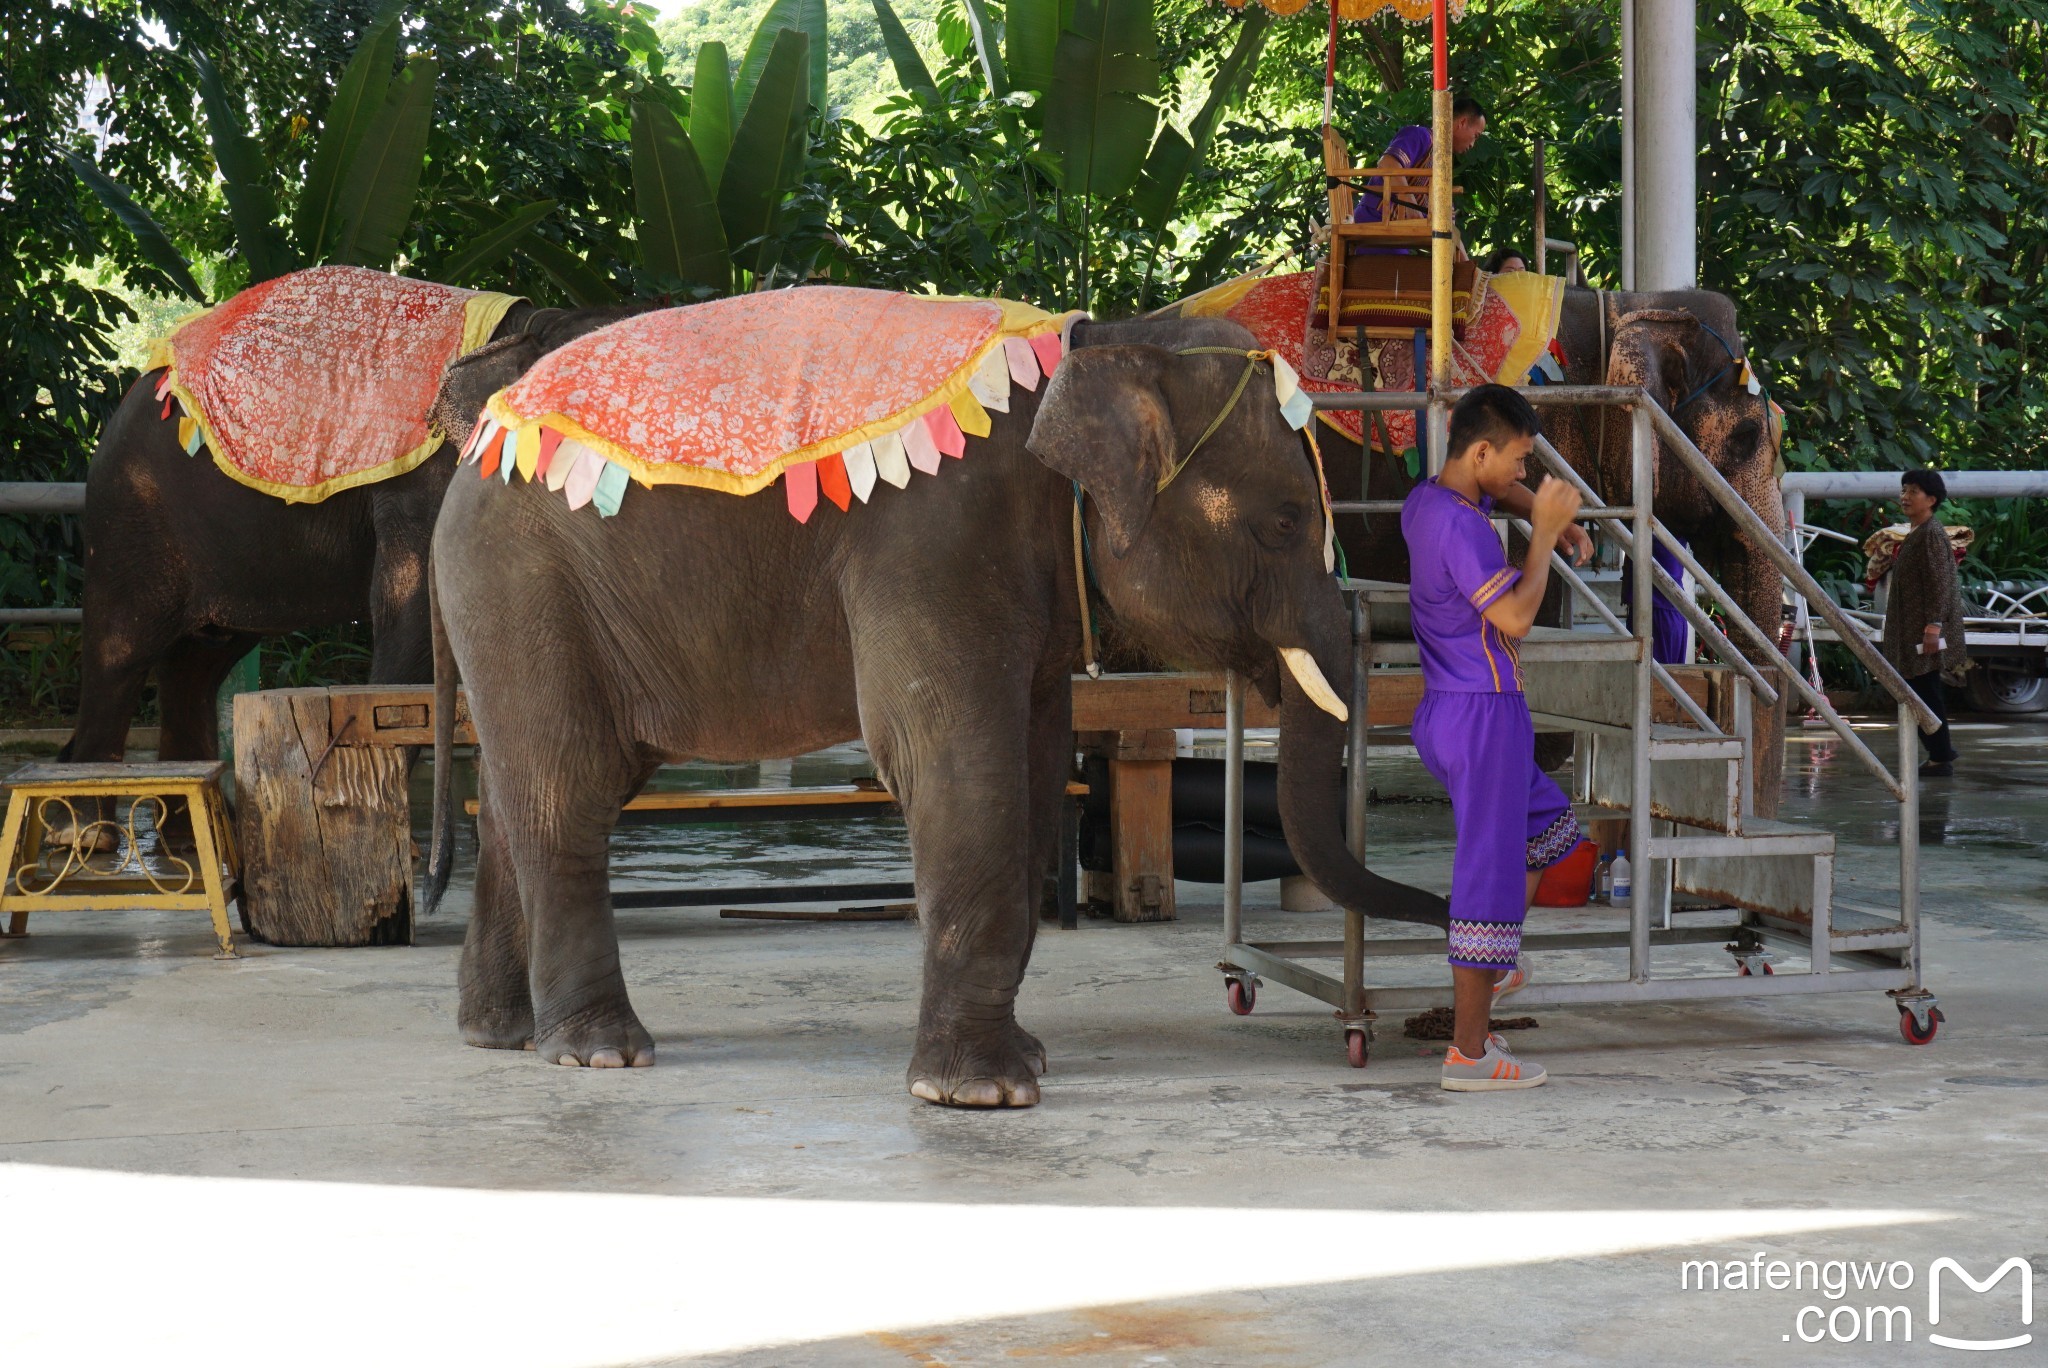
(1759, 836)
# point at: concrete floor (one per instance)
(291, 1159)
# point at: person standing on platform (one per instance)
(1923, 616)
(1470, 609)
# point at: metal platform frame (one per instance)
(1847, 951)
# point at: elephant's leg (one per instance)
(1051, 762)
(555, 807)
(965, 796)
(188, 693)
(121, 648)
(401, 650)
(496, 1011)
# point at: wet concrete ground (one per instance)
(292, 1159)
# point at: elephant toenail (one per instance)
(607, 1059)
(925, 1089)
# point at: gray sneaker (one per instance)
(1495, 1071)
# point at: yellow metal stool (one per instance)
(37, 875)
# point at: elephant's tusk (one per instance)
(1309, 675)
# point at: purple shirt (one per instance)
(1410, 147)
(1457, 568)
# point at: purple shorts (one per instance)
(1511, 817)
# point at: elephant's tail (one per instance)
(441, 857)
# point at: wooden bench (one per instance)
(43, 876)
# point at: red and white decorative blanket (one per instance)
(320, 380)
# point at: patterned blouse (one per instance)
(1924, 590)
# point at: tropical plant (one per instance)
(361, 186)
(714, 197)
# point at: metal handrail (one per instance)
(1767, 541)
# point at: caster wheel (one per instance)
(1910, 1029)
(1744, 970)
(1240, 995)
(1356, 1048)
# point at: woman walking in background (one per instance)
(1923, 618)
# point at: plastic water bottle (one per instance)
(1619, 891)
(1603, 880)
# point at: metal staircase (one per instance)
(1709, 871)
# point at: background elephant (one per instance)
(1684, 346)
(186, 569)
(938, 622)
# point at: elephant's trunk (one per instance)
(1312, 783)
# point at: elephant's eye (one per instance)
(1283, 525)
(1745, 436)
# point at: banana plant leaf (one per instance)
(149, 234)
(911, 71)
(1174, 158)
(988, 45)
(384, 179)
(245, 178)
(679, 230)
(1031, 35)
(357, 98)
(1101, 112)
(501, 235)
(767, 151)
(711, 111)
(806, 17)
(581, 285)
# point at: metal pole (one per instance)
(1909, 837)
(1439, 205)
(1642, 487)
(36, 496)
(1356, 776)
(1439, 435)
(1665, 190)
(1744, 722)
(1233, 809)
(1628, 144)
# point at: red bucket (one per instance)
(1569, 882)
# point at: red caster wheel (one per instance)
(1909, 1027)
(1357, 1048)
(1240, 995)
(1744, 970)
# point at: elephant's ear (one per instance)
(471, 380)
(1104, 423)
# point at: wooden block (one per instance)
(1130, 702)
(1149, 744)
(1141, 839)
(325, 829)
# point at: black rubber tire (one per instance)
(2006, 693)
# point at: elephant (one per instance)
(186, 570)
(940, 623)
(1685, 347)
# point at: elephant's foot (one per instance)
(497, 1028)
(1030, 1047)
(602, 1037)
(1002, 1072)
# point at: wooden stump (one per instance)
(1140, 884)
(326, 829)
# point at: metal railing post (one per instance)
(1744, 725)
(1642, 590)
(1356, 775)
(1909, 837)
(1233, 809)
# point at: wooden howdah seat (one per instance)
(1373, 290)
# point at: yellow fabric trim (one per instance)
(482, 312)
(1537, 301)
(970, 415)
(527, 454)
(1032, 323)
(1479, 596)
(1219, 299)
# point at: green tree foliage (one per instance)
(857, 68)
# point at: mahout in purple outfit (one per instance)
(1470, 609)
